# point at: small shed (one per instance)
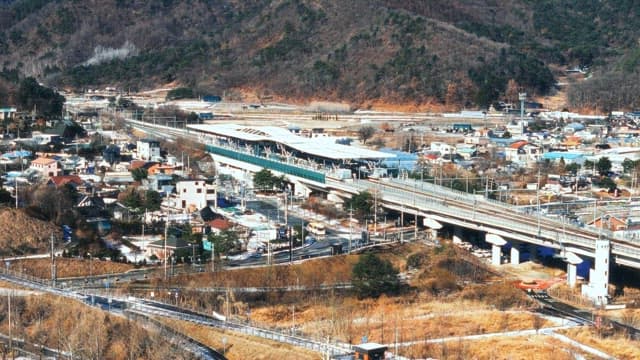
(369, 351)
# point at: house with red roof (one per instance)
(522, 152)
(62, 180)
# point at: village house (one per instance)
(522, 152)
(63, 180)
(46, 166)
(174, 244)
(148, 149)
(193, 195)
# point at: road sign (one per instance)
(207, 245)
(67, 232)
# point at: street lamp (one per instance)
(193, 253)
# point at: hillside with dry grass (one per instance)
(23, 234)
(86, 332)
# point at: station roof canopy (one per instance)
(319, 146)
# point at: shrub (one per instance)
(373, 277)
(417, 260)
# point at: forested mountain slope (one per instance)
(459, 52)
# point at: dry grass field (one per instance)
(68, 267)
(240, 346)
(537, 347)
(616, 345)
(382, 319)
(309, 273)
(450, 295)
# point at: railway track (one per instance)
(553, 307)
(475, 213)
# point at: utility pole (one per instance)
(302, 230)
(286, 212)
(269, 250)
(291, 245)
(293, 327)
(10, 334)
(402, 225)
(350, 226)
(164, 256)
(213, 257)
(53, 264)
(166, 234)
(375, 210)
(538, 200)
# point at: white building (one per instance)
(522, 152)
(7, 113)
(193, 195)
(148, 149)
(442, 148)
(46, 166)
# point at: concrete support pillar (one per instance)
(515, 254)
(572, 260)
(571, 275)
(533, 252)
(457, 235)
(433, 226)
(495, 255)
(496, 242)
